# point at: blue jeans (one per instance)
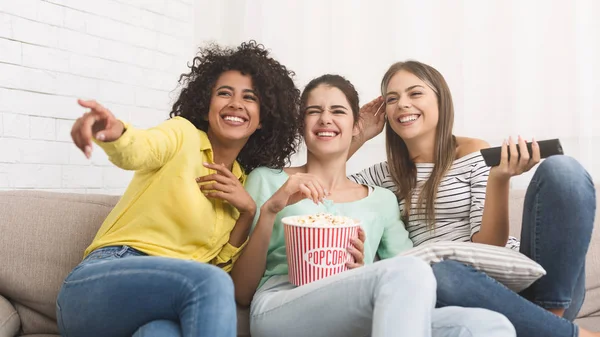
(119, 291)
(558, 219)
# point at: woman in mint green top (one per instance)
(392, 297)
(378, 212)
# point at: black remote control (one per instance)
(548, 148)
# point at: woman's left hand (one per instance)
(357, 250)
(516, 165)
(226, 186)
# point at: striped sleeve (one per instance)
(479, 176)
(374, 175)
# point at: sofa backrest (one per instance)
(42, 237)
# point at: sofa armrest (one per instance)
(9, 319)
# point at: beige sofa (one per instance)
(43, 235)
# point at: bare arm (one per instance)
(495, 221)
(357, 143)
(372, 120)
(240, 231)
(251, 265)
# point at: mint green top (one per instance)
(378, 212)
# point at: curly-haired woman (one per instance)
(157, 266)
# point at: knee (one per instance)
(564, 171)
(217, 280)
(412, 270)
(565, 179)
(206, 280)
(487, 323)
(158, 328)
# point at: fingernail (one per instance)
(205, 163)
(100, 137)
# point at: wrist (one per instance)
(499, 179)
(270, 208)
(360, 139)
(249, 212)
(123, 128)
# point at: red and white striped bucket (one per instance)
(316, 252)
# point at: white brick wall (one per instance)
(127, 54)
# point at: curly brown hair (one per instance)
(274, 143)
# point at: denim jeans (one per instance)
(393, 297)
(120, 292)
(558, 218)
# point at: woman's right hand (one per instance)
(298, 186)
(372, 118)
(99, 123)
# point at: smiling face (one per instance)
(411, 106)
(234, 112)
(329, 123)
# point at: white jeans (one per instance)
(394, 297)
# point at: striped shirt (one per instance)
(458, 205)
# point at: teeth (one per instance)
(326, 134)
(234, 119)
(410, 118)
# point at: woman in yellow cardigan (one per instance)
(157, 266)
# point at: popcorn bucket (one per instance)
(317, 251)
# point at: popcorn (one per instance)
(324, 219)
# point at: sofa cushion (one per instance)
(9, 319)
(591, 323)
(33, 322)
(513, 269)
(48, 233)
(243, 321)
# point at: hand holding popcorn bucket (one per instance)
(317, 246)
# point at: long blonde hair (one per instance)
(401, 166)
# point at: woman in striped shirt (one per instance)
(447, 182)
